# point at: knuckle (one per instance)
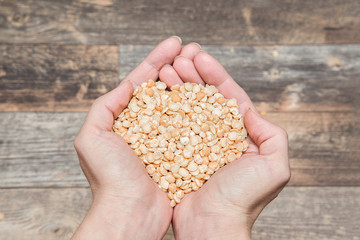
(78, 142)
(284, 175)
(283, 132)
(97, 101)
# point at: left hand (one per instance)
(127, 203)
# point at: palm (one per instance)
(122, 166)
(233, 186)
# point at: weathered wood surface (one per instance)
(36, 149)
(214, 22)
(324, 148)
(278, 78)
(42, 213)
(58, 56)
(298, 213)
(304, 213)
(55, 77)
(284, 78)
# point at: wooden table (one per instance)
(298, 60)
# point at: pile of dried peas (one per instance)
(182, 136)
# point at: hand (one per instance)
(228, 204)
(125, 198)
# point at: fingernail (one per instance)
(179, 56)
(179, 38)
(200, 52)
(196, 44)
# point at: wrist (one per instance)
(112, 218)
(209, 225)
(205, 228)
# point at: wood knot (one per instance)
(2, 73)
(275, 53)
(58, 231)
(274, 73)
(292, 96)
(335, 63)
(19, 19)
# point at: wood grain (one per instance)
(280, 78)
(55, 77)
(57, 56)
(36, 149)
(323, 147)
(215, 22)
(303, 213)
(284, 78)
(42, 213)
(296, 78)
(298, 213)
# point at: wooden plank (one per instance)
(298, 213)
(323, 147)
(55, 77)
(303, 213)
(284, 78)
(296, 78)
(281, 78)
(214, 22)
(42, 214)
(36, 149)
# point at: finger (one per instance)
(108, 107)
(186, 70)
(162, 54)
(169, 76)
(270, 138)
(212, 72)
(190, 50)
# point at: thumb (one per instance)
(270, 138)
(107, 107)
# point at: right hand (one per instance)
(228, 204)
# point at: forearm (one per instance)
(117, 221)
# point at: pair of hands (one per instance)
(128, 204)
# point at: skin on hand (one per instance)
(125, 198)
(228, 204)
(184, 63)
